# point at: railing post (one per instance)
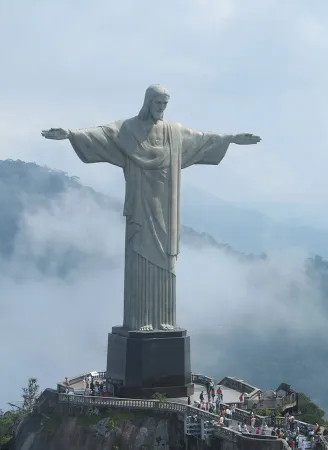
(202, 430)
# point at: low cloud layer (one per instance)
(263, 321)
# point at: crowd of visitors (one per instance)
(211, 400)
(91, 387)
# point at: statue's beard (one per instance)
(158, 117)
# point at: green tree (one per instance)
(7, 425)
(30, 395)
(160, 397)
(9, 419)
(309, 411)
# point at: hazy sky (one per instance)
(230, 65)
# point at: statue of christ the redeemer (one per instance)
(151, 151)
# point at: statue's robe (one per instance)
(152, 175)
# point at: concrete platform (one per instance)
(229, 395)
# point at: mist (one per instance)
(262, 320)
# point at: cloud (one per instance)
(264, 321)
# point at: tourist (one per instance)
(218, 404)
(213, 394)
(296, 441)
(273, 432)
(220, 393)
(258, 431)
(292, 424)
(201, 396)
(228, 413)
(239, 427)
(189, 401)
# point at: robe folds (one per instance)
(152, 205)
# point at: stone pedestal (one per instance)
(150, 361)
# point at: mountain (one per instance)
(246, 229)
(262, 317)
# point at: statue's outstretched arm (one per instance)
(245, 139)
(55, 133)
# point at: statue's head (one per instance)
(156, 100)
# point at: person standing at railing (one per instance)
(220, 393)
(218, 405)
(213, 393)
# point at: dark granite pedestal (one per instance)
(144, 362)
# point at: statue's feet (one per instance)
(146, 328)
(166, 327)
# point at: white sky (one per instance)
(231, 66)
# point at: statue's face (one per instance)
(157, 107)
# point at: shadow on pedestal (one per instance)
(150, 361)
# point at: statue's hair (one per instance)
(153, 91)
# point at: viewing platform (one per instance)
(198, 422)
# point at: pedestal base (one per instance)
(146, 362)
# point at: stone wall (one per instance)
(238, 385)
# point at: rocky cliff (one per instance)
(112, 431)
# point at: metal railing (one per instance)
(324, 441)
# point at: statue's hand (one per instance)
(55, 133)
(245, 139)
